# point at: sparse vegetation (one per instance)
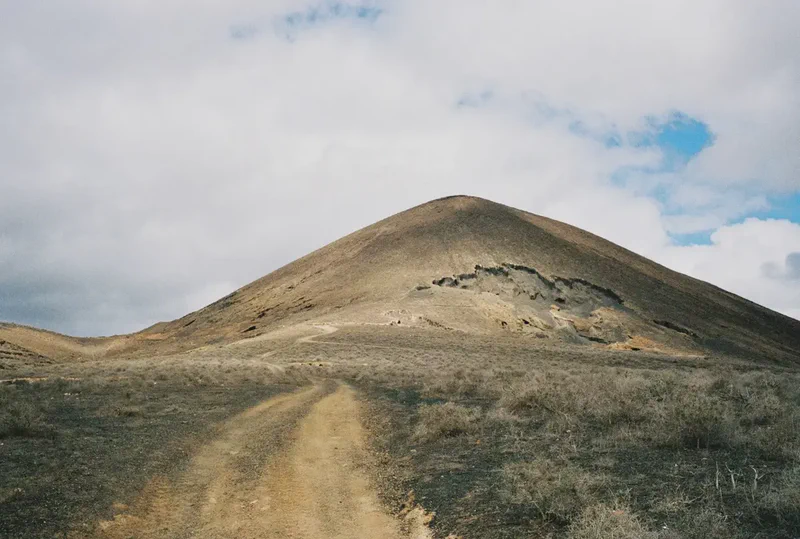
(683, 449)
(704, 523)
(20, 417)
(557, 490)
(448, 419)
(782, 497)
(499, 439)
(82, 437)
(609, 522)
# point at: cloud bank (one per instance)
(156, 155)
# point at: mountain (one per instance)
(468, 264)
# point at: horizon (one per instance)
(183, 315)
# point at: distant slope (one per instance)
(12, 355)
(54, 346)
(468, 264)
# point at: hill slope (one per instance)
(468, 264)
(473, 265)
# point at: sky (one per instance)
(154, 156)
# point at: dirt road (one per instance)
(291, 467)
(326, 329)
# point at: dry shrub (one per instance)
(748, 410)
(704, 524)
(602, 399)
(758, 412)
(768, 412)
(780, 440)
(457, 382)
(556, 490)
(540, 391)
(696, 420)
(128, 411)
(448, 419)
(21, 418)
(502, 416)
(763, 409)
(605, 522)
(783, 497)
(659, 407)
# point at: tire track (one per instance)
(290, 467)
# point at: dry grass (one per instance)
(527, 442)
(604, 399)
(694, 448)
(665, 409)
(20, 415)
(696, 420)
(85, 436)
(557, 490)
(448, 419)
(20, 419)
(704, 523)
(609, 522)
(782, 499)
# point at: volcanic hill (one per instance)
(471, 265)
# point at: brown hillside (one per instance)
(468, 264)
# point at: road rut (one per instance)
(290, 467)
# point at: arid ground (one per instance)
(462, 370)
(399, 432)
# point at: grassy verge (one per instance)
(579, 450)
(75, 444)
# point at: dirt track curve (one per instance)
(290, 467)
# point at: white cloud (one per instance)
(756, 259)
(149, 160)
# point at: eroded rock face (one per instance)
(526, 285)
(575, 309)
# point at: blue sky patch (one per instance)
(330, 12)
(702, 237)
(680, 138)
(684, 135)
(785, 206)
(676, 137)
